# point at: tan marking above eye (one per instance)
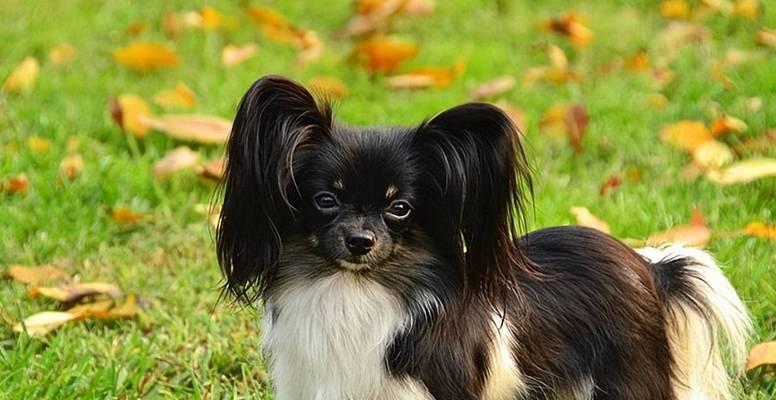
(339, 185)
(392, 190)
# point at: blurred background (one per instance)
(654, 121)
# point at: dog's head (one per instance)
(305, 196)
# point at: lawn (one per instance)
(189, 342)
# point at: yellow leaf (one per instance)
(744, 171)
(712, 155)
(762, 354)
(211, 18)
(557, 72)
(760, 230)
(40, 324)
(90, 309)
(675, 9)
(35, 275)
(586, 218)
(72, 166)
(128, 309)
(694, 234)
(686, 134)
(494, 87)
(129, 111)
(328, 86)
(746, 8)
(23, 77)
(125, 216)
(75, 291)
(39, 144)
(179, 97)
(62, 54)
(145, 56)
(727, 124)
(177, 159)
(233, 55)
(426, 77)
(382, 54)
(195, 128)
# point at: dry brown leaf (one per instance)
(23, 77)
(72, 166)
(16, 184)
(128, 111)
(194, 128)
(760, 230)
(762, 354)
(35, 275)
(494, 87)
(766, 37)
(570, 25)
(586, 218)
(744, 171)
(181, 96)
(233, 55)
(40, 324)
(62, 54)
(425, 77)
(73, 292)
(516, 114)
(727, 124)
(211, 172)
(328, 87)
(382, 54)
(694, 234)
(686, 134)
(177, 159)
(146, 56)
(675, 9)
(38, 144)
(125, 216)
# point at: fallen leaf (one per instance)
(125, 216)
(586, 218)
(177, 159)
(73, 292)
(762, 354)
(610, 183)
(128, 309)
(211, 18)
(746, 8)
(23, 77)
(312, 47)
(675, 9)
(179, 97)
(382, 54)
(40, 324)
(727, 124)
(516, 114)
(686, 134)
(233, 55)
(744, 171)
(211, 172)
(570, 25)
(426, 77)
(766, 37)
(72, 166)
(35, 275)
(87, 310)
(39, 144)
(371, 18)
(694, 234)
(637, 62)
(170, 24)
(712, 155)
(62, 54)
(195, 128)
(128, 111)
(146, 56)
(760, 230)
(15, 184)
(275, 26)
(494, 87)
(566, 120)
(136, 28)
(328, 87)
(557, 72)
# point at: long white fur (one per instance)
(505, 380)
(697, 350)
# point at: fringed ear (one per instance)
(274, 119)
(477, 171)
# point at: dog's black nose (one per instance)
(360, 243)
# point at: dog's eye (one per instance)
(399, 209)
(325, 201)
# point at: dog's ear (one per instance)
(275, 118)
(477, 172)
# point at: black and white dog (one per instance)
(389, 266)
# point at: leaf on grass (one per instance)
(570, 25)
(494, 87)
(637, 62)
(760, 230)
(557, 72)
(766, 37)
(586, 218)
(516, 114)
(125, 216)
(566, 120)
(312, 47)
(371, 18)
(746, 8)
(170, 24)
(39, 144)
(687, 135)
(675, 9)
(136, 28)
(35, 275)
(73, 292)
(426, 77)
(87, 310)
(762, 354)
(23, 77)
(744, 171)
(16, 184)
(211, 19)
(146, 56)
(328, 87)
(62, 54)
(212, 171)
(40, 324)
(72, 166)
(233, 55)
(694, 234)
(712, 154)
(382, 54)
(179, 97)
(611, 182)
(128, 309)
(727, 124)
(177, 159)
(194, 128)
(128, 111)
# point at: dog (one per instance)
(390, 265)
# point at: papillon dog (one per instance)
(390, 265)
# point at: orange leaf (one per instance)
(15, 184)
(382, 54)
(675, 9)
(179, 97)
(35, 275)
(128, 309)
(586, 218)
(637, 62)
(233, 55)
(686, 134)
(145, 56)
(570, 26)
(744, 171)
(23, 77)
(494, 87)
(328, 86)
(72, 166)
(212, 171)
(128, 110)
(196, 128)
(177, 159)
(426, 77)
(762, 354)
(760, 230)
(610, 183)
(40, 324)
(726, 124)
(75, 291)
(694, 234)
(371, 18)
(125, 215)
(62, 54)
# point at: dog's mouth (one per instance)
(353, 265)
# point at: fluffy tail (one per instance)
(701, 307)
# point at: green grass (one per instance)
(187, 343)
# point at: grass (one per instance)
(187, 343)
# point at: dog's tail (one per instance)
(701, 308)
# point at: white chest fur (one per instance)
(328, 338)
